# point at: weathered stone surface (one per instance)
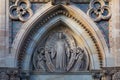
(61, 77)
(80, 45)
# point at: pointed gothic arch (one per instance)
(94, 40)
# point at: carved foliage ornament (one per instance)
(116, 76)
(60, 54)
(9, 75)
(4, 76)
(99, 10)
(21, 10)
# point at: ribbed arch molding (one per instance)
(31, 32)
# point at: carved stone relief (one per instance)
(9, 74)
(106, 73)
(42, 22)
(116, 76)
(60, 54)
(39, 61)
(21, 10)
(99, 10)
(4, 76)
(97, 75)
(111, 73)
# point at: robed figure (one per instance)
(41, 59)
(61, 53)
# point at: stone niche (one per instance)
(59, 43)
(60, 55)
(60, 50)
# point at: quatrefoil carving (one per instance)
(99, 10)
(21, 10)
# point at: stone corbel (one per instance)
(9, 74)
(24, 75)
(111, 73)
(97, 74)
(21, 10)
(116, 75)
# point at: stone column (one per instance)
(115, 30)
(4, 31)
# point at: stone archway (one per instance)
(87, 30)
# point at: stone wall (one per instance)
(4, 31)
(115, 30)
(106, 57)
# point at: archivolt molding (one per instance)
(21, 10)
(62, 12)
(19, 48)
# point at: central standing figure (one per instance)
(61, 51)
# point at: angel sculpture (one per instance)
(76, 60)
(79, 60)
(41, 60)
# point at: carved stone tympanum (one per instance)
(60, 53)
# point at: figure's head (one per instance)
(42, 51)
(79, 50)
